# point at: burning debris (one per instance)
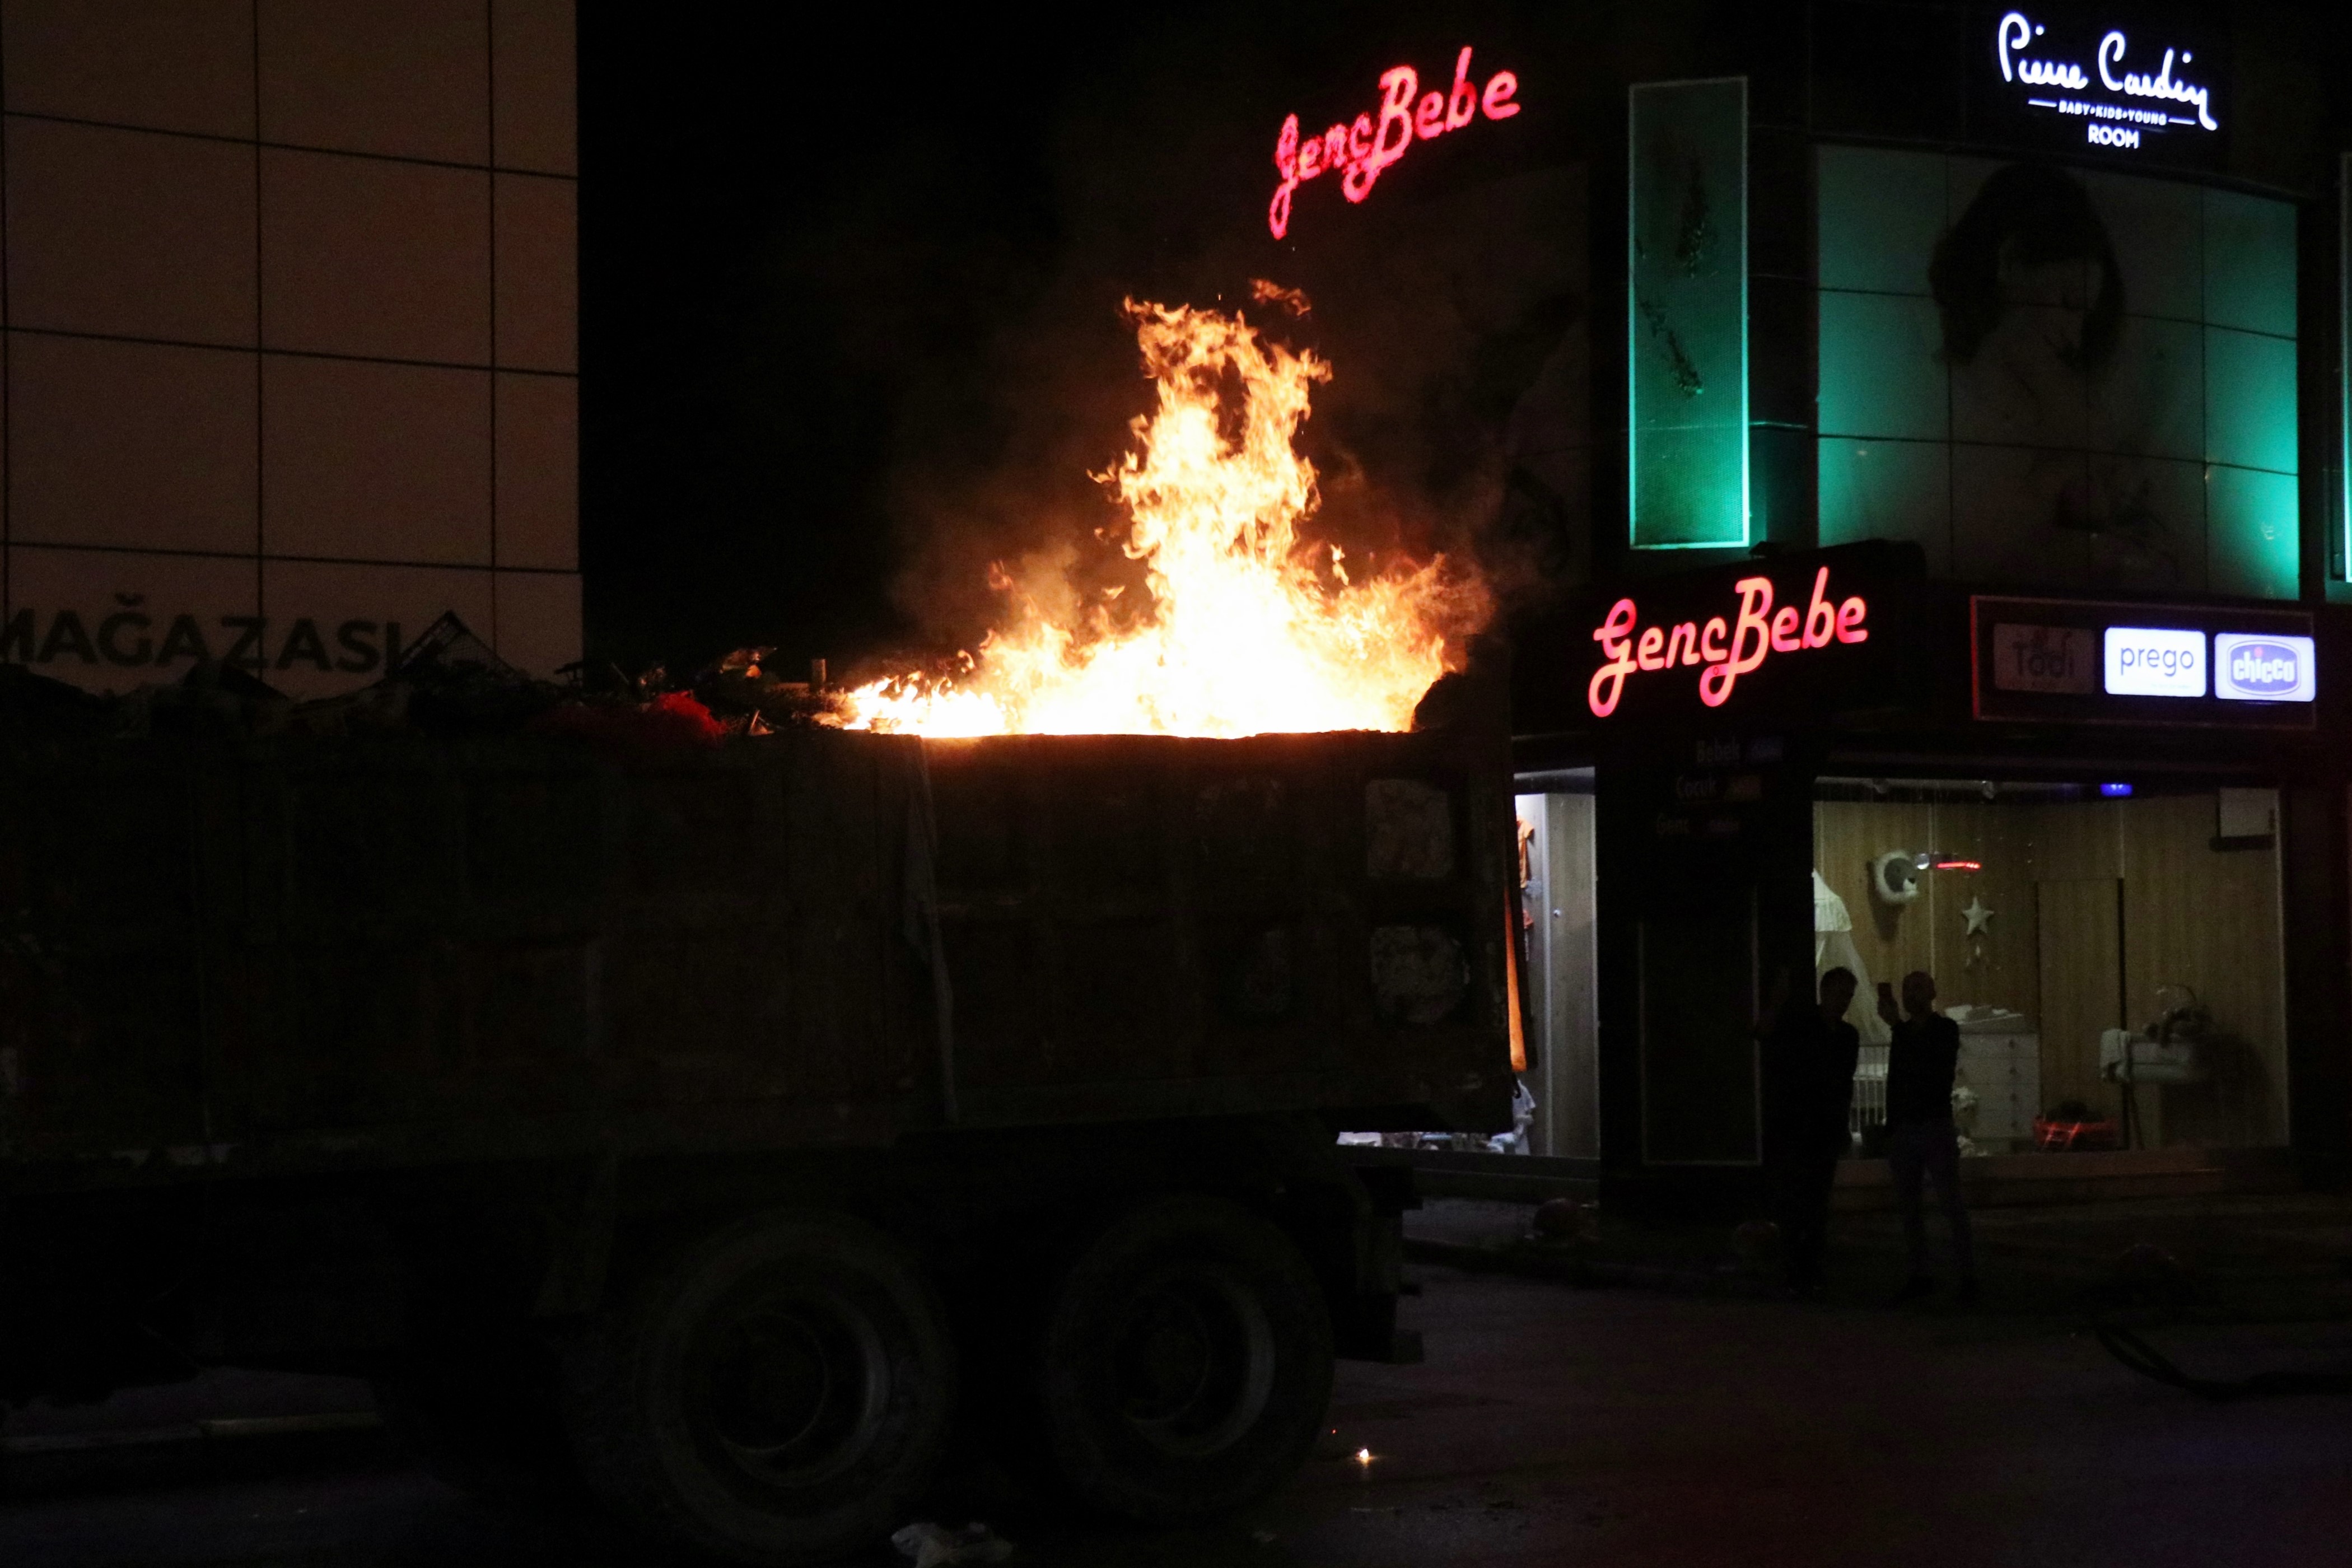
(448, 682)
(1251, 626)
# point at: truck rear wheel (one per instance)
(780, 1396)
(1187, 1364)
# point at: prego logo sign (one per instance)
(2256, 668)
(2154, 662)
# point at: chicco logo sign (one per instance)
(2252, 669)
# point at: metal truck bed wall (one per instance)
(272, 956)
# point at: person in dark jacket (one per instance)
(1809, 1058)
(1921, 1140)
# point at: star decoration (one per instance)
(1976, 915)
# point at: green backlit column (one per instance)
(1686, 315)
(2340, 563)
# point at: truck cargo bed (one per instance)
(268, 956)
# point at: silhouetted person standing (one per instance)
(1809, 1053)
(1920, 1138)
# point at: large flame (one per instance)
(1249, 627)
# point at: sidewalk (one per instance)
(2270, 1258)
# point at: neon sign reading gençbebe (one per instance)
(1366, 146)
(1755, 633)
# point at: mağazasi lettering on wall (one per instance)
(2052, 375)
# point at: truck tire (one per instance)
(780, 1395)
(1187, 1363)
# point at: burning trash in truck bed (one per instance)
(1252, 625)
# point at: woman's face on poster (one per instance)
(2046, 304)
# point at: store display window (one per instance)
(2110, 950)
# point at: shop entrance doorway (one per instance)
(1558, 908)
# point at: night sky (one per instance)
(850, 297)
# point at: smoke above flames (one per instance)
(1244, 621)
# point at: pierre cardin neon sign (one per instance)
(1363, 148)
(2120, 105)
(1724, 650)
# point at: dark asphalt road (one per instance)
(1551, 1426)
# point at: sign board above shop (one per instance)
(1788, 640)
(2094, 83)
(1356, 152)
(2071, 661)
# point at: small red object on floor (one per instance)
(2073, 1137)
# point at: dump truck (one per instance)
(720, 1131)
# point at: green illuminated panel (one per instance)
(1686, 315)
(1880, 375)
(1888, 490)
(2250, 400)
(2249, 263)
(2253, 533)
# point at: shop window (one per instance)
(2110, 950)
(2054, 377)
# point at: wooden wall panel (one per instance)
(2082, 987)
(2209, 919)
(2079, 841)
(1997, 969)
(2002, 966)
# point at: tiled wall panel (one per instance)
(539, 472)
(249, 362)
(403, 79)
(131, 444)
(130, 233)
(168, 65)
(365, 255)
(376, 462)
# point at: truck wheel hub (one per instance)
(795, 1389)
(1194, 1361)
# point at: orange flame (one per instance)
(1250, 629)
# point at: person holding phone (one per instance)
(1921, 1140)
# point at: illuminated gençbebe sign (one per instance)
(2118, 103)
(1360, 149)
(1723, 649)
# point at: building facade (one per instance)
(1925, 428)
(291, 334)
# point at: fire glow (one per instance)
(1250, 628)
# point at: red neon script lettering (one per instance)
(1364, 147)
(1608, 682)
(1731, 648)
